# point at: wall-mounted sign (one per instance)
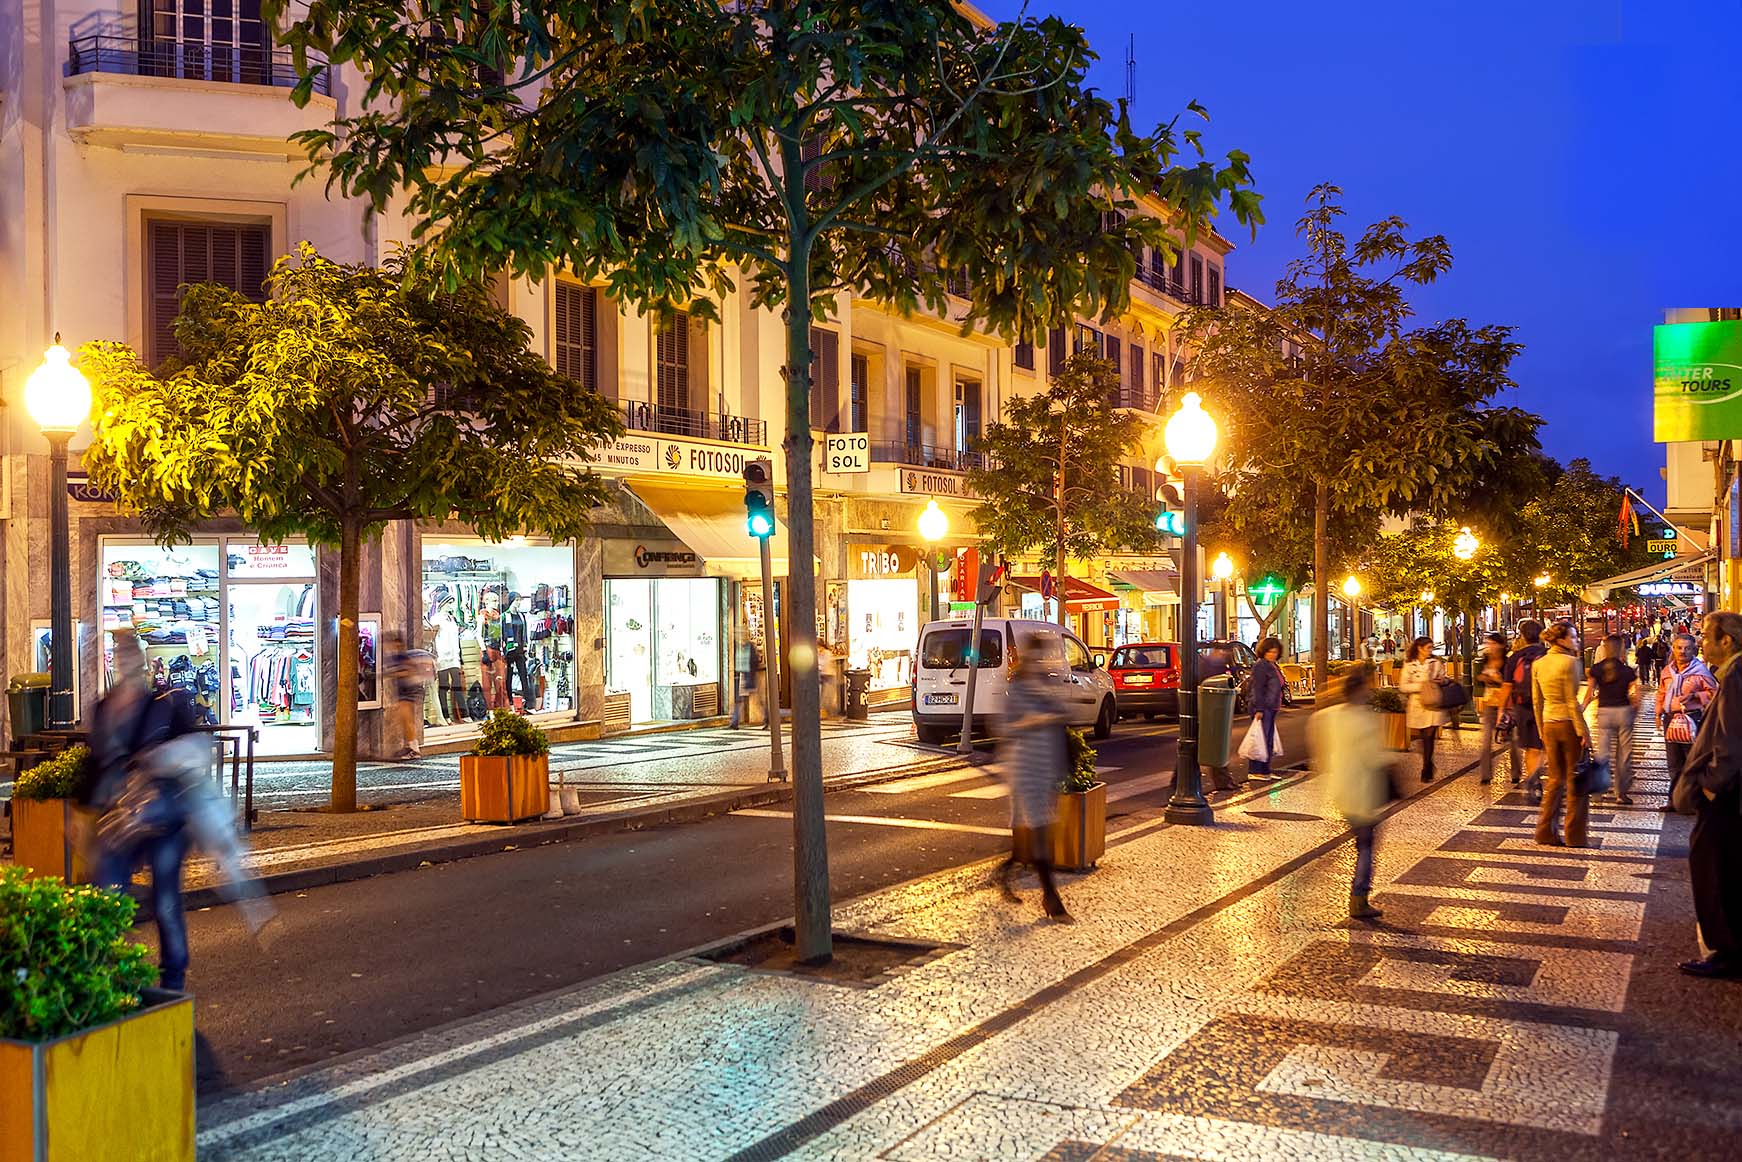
(1697, 381)
(637, 454)
(929, 482)
(80, 488)
(653, 558)
(847, 453)
(873, 562)
(1670, 589)
(1660, 546)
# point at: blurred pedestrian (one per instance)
(1644, 663)
(1035, 758)
(1614, 686)
(1348, 748)
(1388, 647)
(1709, 788)
(1554, 696)
(1264, 699)
(1684, 688)
(1490, 681)
(409, 673)
(1420, 670)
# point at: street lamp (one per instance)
(1465, 544)
(58, 398)
(1222, 568)
(934, 525)
(1351, 590)
(1191, 438)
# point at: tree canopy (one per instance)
(351, 396)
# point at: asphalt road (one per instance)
(367, 962)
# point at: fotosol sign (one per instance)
(635, 454)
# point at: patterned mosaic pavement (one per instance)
(1212, 1002)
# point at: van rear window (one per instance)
(947, 649)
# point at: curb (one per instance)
(691, 810)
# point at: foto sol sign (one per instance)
(1697, 381)
(850, 452)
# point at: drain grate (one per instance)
(858, 962)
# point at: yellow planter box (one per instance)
(122, 1092)
(1396, 731)
(1079, 838)
(48, 838)
(504, 788)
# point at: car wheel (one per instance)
(933, 735)
(1104, 721)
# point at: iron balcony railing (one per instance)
(250, 62)
(927, 456)
(1159, 279)
(1126, 397)
(646, 417)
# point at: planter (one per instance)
(48, 838)
(1080, 836)
(504, 788)
(1396, 731)
(122, 1092)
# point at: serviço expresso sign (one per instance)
(1697, 381)
(635, 453)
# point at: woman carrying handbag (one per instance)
(1421, 670)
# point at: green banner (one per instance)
(1698, 381)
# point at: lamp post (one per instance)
(1191, 438)
(1351, 590)
(1222, 569)
(58, 398)
(934, 525)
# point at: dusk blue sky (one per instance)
(1582, 157)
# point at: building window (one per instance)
(235, 255)
(825, 380)
(672, 360)
(209, 40)
(1055, 351)
(1197, 287)
(1158, 371)
(577, 333)
(1115, 354)
(967, 414)
(861, 389)
(1215, 286)
(1024, 355)
(1179, 270)
(1136, 384)
(915, 408)
(1087, 339)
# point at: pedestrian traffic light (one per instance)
(1170, 522)
(759, 498)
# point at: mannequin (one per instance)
(450, 678)
(512, 627)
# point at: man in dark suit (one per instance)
(1711, 787)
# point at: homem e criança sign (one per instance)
(1697, 381)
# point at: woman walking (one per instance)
(1555, 698)
(1615, 686)
(1265, 700)
(1421, 670)
(1490, 681)
(1685, 687)
(1035, 757)
(1347, 745)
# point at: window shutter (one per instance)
(971, 411)
(673, 355)
(825, 380)
(1116, 356)
(861, 389)
(915, 420)
(163, 278)
(577, 331)
(1215, 286)
(1055, 350)
(1197, 287)
(235, 255)
(1136, 384)
(1024, 355)
(1158, 371)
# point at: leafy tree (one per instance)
(1327, 391)
(1052, 477)
(896, 148)
(351, 397)
(1571, 533)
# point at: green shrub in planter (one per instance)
(67, 775)
(1080, 760)
(507, 733)
(1386, 700)
(66, 963)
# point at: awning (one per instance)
(710, 521)
(1080, 596)
(1147, 580)
(1598, 591)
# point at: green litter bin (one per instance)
(1215, 720)
(27, 703)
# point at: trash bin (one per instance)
(858, 695)
(27, 703)
(1215, 720)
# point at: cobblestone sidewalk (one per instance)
(1212, 1002)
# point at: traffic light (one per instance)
(759, 498)
(1170, 522)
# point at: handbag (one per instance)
(1681, 727)
(1444, 694)
(1592, 775)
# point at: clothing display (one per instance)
(501, 626)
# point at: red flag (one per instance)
(1627, 520)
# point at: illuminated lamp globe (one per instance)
(1427, 596)
(57, 395)
(1222, 568)
(934, 523)
(1351, 587)
(1542, 581)
(1465, 544)
(1191, 433)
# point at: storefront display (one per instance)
(663, 646)
(499, 620)
(883, 629)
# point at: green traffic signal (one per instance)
(1170, 523)
(758, 517)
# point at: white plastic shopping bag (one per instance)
(1252, 746)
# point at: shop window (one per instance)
(882, 618)
(861, 394)
(825, 379)
(232, 254)
(577, 333)
(500, 622)
(662, 648)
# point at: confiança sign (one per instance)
(1697, 392)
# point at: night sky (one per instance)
(1582, 157)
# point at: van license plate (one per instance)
(941, 699)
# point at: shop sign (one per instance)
(929, 482)
(1667, 547)
(1697, 381)
(869, 563)
(1670, 589)
(625, 558)
(847, 453)
(634, 454)
(80, 488)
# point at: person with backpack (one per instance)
(1685, 688)
(1554, 696)
(1527, 747)
(1420, 670)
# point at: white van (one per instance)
(940, 675)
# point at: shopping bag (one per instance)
(1252, 746)
(1681, 728)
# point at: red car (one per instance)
(1146, 679)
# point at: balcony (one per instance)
(927, 456)
(646, 417)
(185, 94)
(1158, 279)
(1141, 400)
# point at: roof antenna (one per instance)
(1131, 71)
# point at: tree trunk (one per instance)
(809, 840)
(1058, 557)
(344, 795)
(1321, 586)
